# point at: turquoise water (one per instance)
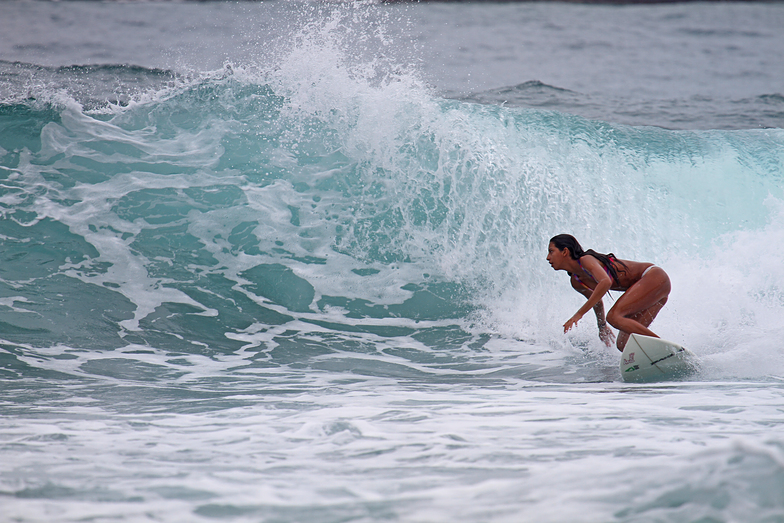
(308, 283)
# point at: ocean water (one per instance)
(285, 262)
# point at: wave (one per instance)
(533, 93)
(694, 112)
(338, 193)
(92, 86)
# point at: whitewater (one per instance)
(285, 262)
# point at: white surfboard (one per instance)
(651, 359)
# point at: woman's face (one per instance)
(556, 257)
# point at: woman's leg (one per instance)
(639, 305)
(645, 318)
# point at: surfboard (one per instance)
(652, 359)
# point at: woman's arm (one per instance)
(603, 284)
(605, 332)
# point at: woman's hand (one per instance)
(606, 335)
(572, 322)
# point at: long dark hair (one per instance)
(567, 241)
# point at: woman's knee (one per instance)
(613, 316)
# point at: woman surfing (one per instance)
(645, 288)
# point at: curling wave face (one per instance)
(243, 199)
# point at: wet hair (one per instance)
(567, 241)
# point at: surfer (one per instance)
(645, 288)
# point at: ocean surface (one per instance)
(284, 262)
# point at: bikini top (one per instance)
(606, 269)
